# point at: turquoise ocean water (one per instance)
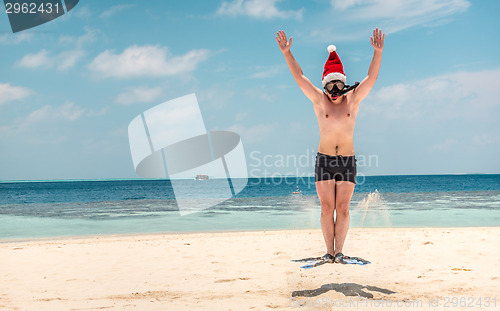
(69, 208)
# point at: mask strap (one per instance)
(348, 88)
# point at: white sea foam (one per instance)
(375, 211)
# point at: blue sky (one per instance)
(69, 88)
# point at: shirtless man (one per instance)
(335, 171)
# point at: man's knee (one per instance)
(343, 208)
(327, 207)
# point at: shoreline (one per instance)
(187, 233)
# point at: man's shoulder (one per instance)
(351, 99)
(321, 99)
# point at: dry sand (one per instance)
(427, 268)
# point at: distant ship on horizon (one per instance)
(201, 177)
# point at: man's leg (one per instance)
(344, 191)
(326, 194)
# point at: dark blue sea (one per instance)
(34, 209)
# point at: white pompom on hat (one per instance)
(333, 67)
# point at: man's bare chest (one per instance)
(342, 113)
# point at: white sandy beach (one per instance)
(445, 267)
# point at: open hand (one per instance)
(282, 42)
(378, 39)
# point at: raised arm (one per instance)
(366, 85)
(312, 92)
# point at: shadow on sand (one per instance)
(348, 289)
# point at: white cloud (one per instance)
(62, 61)
(10, 93)
(115, 9)
(16, 38)
(415, 10)
(261, 9)
(48, 115)
(139, 95)
(389, 15)
(439, 98)
(397, 15)
(97, 113)
(68, 59)
(66, 112)
(89, 36)
(40, 59)
(144, 61)
(345, 4)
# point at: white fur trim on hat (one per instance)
(331, 48)
(333, 76)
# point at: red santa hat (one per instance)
(333, 67)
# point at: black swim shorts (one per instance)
(339, 168)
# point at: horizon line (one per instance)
(192, 178)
